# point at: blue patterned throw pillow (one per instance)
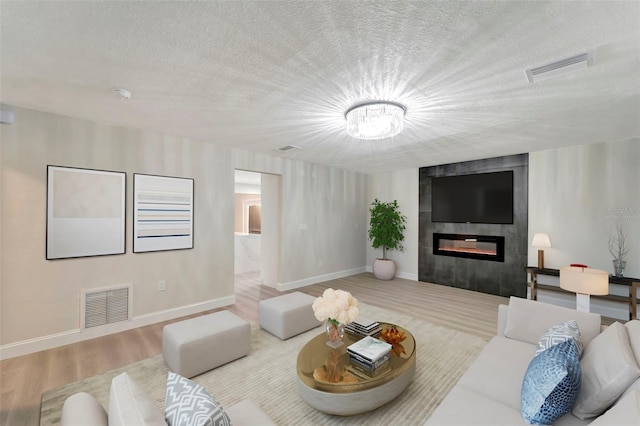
(561, 333)
(189, 404)
(551, 384)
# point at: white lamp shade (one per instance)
(584, 280)
(541, 240)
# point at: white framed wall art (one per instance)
(85, 212)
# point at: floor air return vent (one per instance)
(105, 306)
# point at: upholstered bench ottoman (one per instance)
(199, 344)
(287, 315)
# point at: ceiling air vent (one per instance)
(288, 148)
(562, 66)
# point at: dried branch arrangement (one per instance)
(618, 242)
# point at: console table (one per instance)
(632, 283)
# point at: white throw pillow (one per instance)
(608, 368)
(130, 405)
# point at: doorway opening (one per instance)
(257, 200)
(247, 222)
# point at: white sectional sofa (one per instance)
(186, 401)
(489, 393)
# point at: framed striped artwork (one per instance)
(162, 213)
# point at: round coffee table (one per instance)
(347, 391)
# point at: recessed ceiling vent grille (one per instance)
(105, 306)
(288, 148)
(562, 66)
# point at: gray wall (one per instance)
(401, 185)
(580, 193)
(577, 195)
(39, 307)
(506, 278)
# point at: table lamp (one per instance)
(541, 241)
(584, 282)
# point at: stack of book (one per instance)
(363, 327)
(370, 356)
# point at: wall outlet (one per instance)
(162, 285)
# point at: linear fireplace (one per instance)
(483, 247)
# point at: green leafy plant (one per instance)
(387, 226)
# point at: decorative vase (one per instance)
(618, 267)
(335, 333)
(333, 366)
(384, 269)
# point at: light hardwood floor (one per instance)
(24, 378)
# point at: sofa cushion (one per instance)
(635, 386)
(561, 333)
(625, 412)
(528, 320)
(551, 384)
(633, 328)
(464, 406)
(190, 404)
(498, 370)
(608, 368)
(129, 405)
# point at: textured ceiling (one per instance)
(262, 75)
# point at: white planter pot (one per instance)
(384, 269)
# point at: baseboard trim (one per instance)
(25, 347)
(407, 276)
(399, 274)
(292, 285)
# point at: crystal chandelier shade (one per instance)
(376, 120)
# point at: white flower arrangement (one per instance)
(336, 305)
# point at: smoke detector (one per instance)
(7, 117)
(288, 148)
(562, 66)
(122, 94)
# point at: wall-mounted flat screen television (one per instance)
(473, 198)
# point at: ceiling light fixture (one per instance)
(375, 120)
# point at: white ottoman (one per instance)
(199, 344)
(287, 315)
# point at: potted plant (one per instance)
(618, 248)
(386, 230)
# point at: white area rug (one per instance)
(267, 376)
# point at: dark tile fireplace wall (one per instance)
(506, 278)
